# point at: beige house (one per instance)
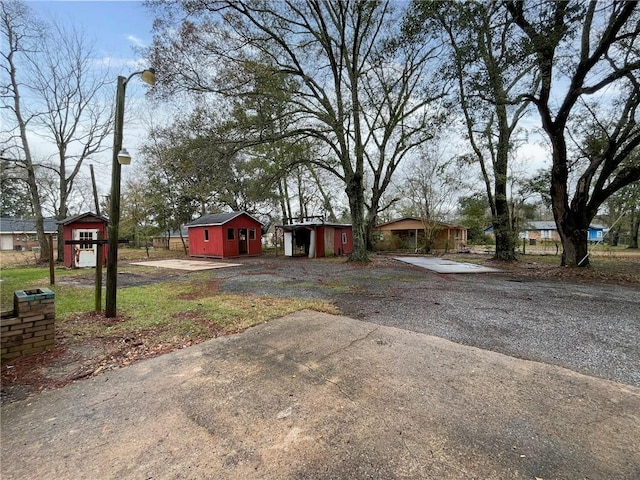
(173, 241)
(412, 233)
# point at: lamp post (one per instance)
(119, 157)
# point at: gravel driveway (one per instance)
(591, 329)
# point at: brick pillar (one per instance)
(31, 329)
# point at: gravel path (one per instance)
(591, 329)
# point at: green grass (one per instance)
(13, 279)
(165, 312)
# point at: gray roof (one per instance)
(551, 225)
(26, 225)
(541, 225)
(213, 219)
(88, 216)
(174, 233)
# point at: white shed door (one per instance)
(85, 254)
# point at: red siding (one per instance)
(340, 248)
(67, 234)
(320, 241)
(219, 246)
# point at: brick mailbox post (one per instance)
(30, 328)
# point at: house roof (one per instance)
(87, 216)
(541, 225)
(551, 225)
(26, 225)
(418, 219)
(174, 233)
(213, 219)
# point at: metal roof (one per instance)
(26, 225)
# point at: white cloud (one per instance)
(138, 42)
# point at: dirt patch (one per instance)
(204, 289)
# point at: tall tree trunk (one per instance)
(574, 242)
(370, 225)
(505, 239)
(355, 193)
(28, 165)
(635, 226)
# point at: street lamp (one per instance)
(120, 157)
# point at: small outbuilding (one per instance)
(316, 239)
(225, 235)
(87, 227)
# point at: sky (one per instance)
(116, 26)
(116, 29)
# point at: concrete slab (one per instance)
(316, 396)
(445, 266)
(189, 265)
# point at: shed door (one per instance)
(243, 241)
(85, 254)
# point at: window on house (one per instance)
(344, 238)
(252, 234)
(206, 235)
(230, 234)
(545, 234)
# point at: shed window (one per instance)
(252, 234)
(206, 235)
(231, 234)
(344, 238)
(87, 237)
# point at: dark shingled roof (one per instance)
(26, 225)
(218, 219)
(87, 216)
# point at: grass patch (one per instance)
(165, 312)
(169, 312)
(12, 279)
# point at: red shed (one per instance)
(225, 235)
(85, 226)
(314, 239)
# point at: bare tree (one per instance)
(21, 35)
(431, 190)
(76, 114)
(64, 105)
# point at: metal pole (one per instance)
(114, 204)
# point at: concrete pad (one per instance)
(445, 266)
(190, 265)
(326, 397)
